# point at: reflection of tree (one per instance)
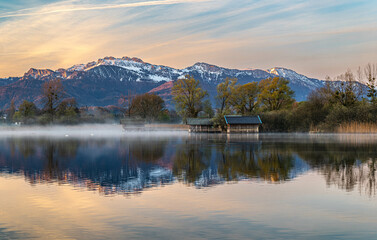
(347, 165)
(248, 161)
(370, 176)
(350, 173)
(52, 166)
(41, 159)
(27, 148)
(147, 151)
(67, 149)
(236, 161)
(342, 171)
(190, 161)
(275, 166)
(230, 162)
(57, 156)
(24, 146)
(130, 165)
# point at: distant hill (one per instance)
(103, 82)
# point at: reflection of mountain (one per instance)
(108, 167)
(132, 165)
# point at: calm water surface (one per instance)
(182, 186)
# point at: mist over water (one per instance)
(87, 131)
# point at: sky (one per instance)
(315, 38)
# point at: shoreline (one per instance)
(116, 131)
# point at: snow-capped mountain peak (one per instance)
(204, 71)
(283, 72)
(293, 76)
(200, 66)
(101, 82)
(134, 64)
(38, 72)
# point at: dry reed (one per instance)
(356, 127)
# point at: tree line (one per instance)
(272, 94)
(59, 108)
(56, 107)
(342, 100)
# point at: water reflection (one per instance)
(254, 161)
(347, 165)
(130, 165)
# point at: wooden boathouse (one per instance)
(201, 125)
(234, 124)
(242, 124)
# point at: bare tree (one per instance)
(370, 72)
(348, 90)
(359, 75)
(53, 94)
(126, 101)
(11, 111)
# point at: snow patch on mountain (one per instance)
(82, 67)
(144, 71)
(294, 77)
(158, 78)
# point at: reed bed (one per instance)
(356, 127)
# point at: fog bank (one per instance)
(86, 131)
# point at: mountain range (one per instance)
(103, 82)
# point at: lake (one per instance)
(60, 184)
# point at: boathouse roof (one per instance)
(242, 120)
(199, 122)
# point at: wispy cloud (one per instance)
(32, 12)
(312, 37)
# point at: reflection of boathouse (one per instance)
(242, 124)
